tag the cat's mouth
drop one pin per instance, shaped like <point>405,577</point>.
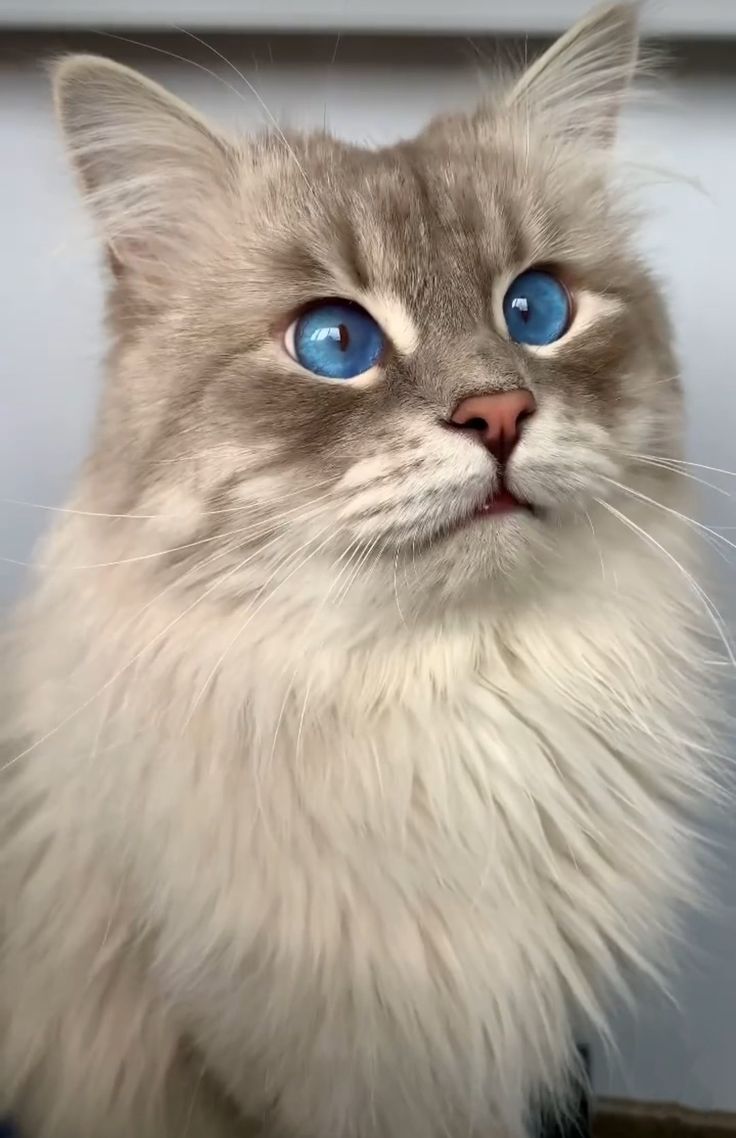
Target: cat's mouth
<point>502,501</point>
<point>499,504</point>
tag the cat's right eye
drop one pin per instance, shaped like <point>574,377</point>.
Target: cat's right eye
<point>336,339</point>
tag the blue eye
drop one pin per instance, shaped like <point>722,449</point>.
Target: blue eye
<point>536,308</point>
<point>337,339</point>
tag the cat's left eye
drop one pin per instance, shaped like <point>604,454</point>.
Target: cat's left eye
<point>537,308</point>
<point>336,339</point>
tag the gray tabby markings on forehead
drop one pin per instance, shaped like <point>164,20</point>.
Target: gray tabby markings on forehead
<point>141,154</point>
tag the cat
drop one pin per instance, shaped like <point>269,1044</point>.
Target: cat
<point>357,714</point>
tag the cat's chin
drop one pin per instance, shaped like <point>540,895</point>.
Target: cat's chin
<point>498,518</point>
<point>491,545</point>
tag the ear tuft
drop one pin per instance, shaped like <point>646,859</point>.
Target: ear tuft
<point>145,161</point>
<point>578,86</point>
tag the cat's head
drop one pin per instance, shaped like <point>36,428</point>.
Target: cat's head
<point>440,352</point>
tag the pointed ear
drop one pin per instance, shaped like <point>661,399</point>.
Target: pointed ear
<point>577,87</point>
<point>148,165</point>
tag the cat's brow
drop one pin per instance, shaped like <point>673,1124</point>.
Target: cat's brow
<point>395,319</point>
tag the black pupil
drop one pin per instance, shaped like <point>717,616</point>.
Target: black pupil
<point>344,337</point>
<point>523,307</point>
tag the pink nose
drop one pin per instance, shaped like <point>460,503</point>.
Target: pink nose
<point>496,419</point>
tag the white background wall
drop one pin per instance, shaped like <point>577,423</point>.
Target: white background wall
<point>51,347</point>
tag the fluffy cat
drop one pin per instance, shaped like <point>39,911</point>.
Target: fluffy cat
<point>354,719</point>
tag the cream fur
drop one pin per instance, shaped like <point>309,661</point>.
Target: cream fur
<point>381,899</point>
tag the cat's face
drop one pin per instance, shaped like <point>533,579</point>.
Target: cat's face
<point>440,434</point>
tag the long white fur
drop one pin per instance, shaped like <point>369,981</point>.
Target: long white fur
<point>403,883</point>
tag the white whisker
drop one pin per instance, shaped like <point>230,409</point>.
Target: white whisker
<point>597,545</point>
<point>312,621</point>
<point>669,464</point>
<point>347,556</point>
<point>173,515</point>
<point>131,662</point>
<point>300,729</point>
<point>710,607</point>
<point>682,462</point>
<point>261,103</point>
<point>253,611</point>
<point>174,55</point>
<point>670,510</point>
<point>356,548</point>
<point>376,560</point>
<point>396,590</point>
<point>192,1102</point>
<point>252,531</point>
<point>352,577</point>
<point>717,549</point>
<point>310,624</point>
